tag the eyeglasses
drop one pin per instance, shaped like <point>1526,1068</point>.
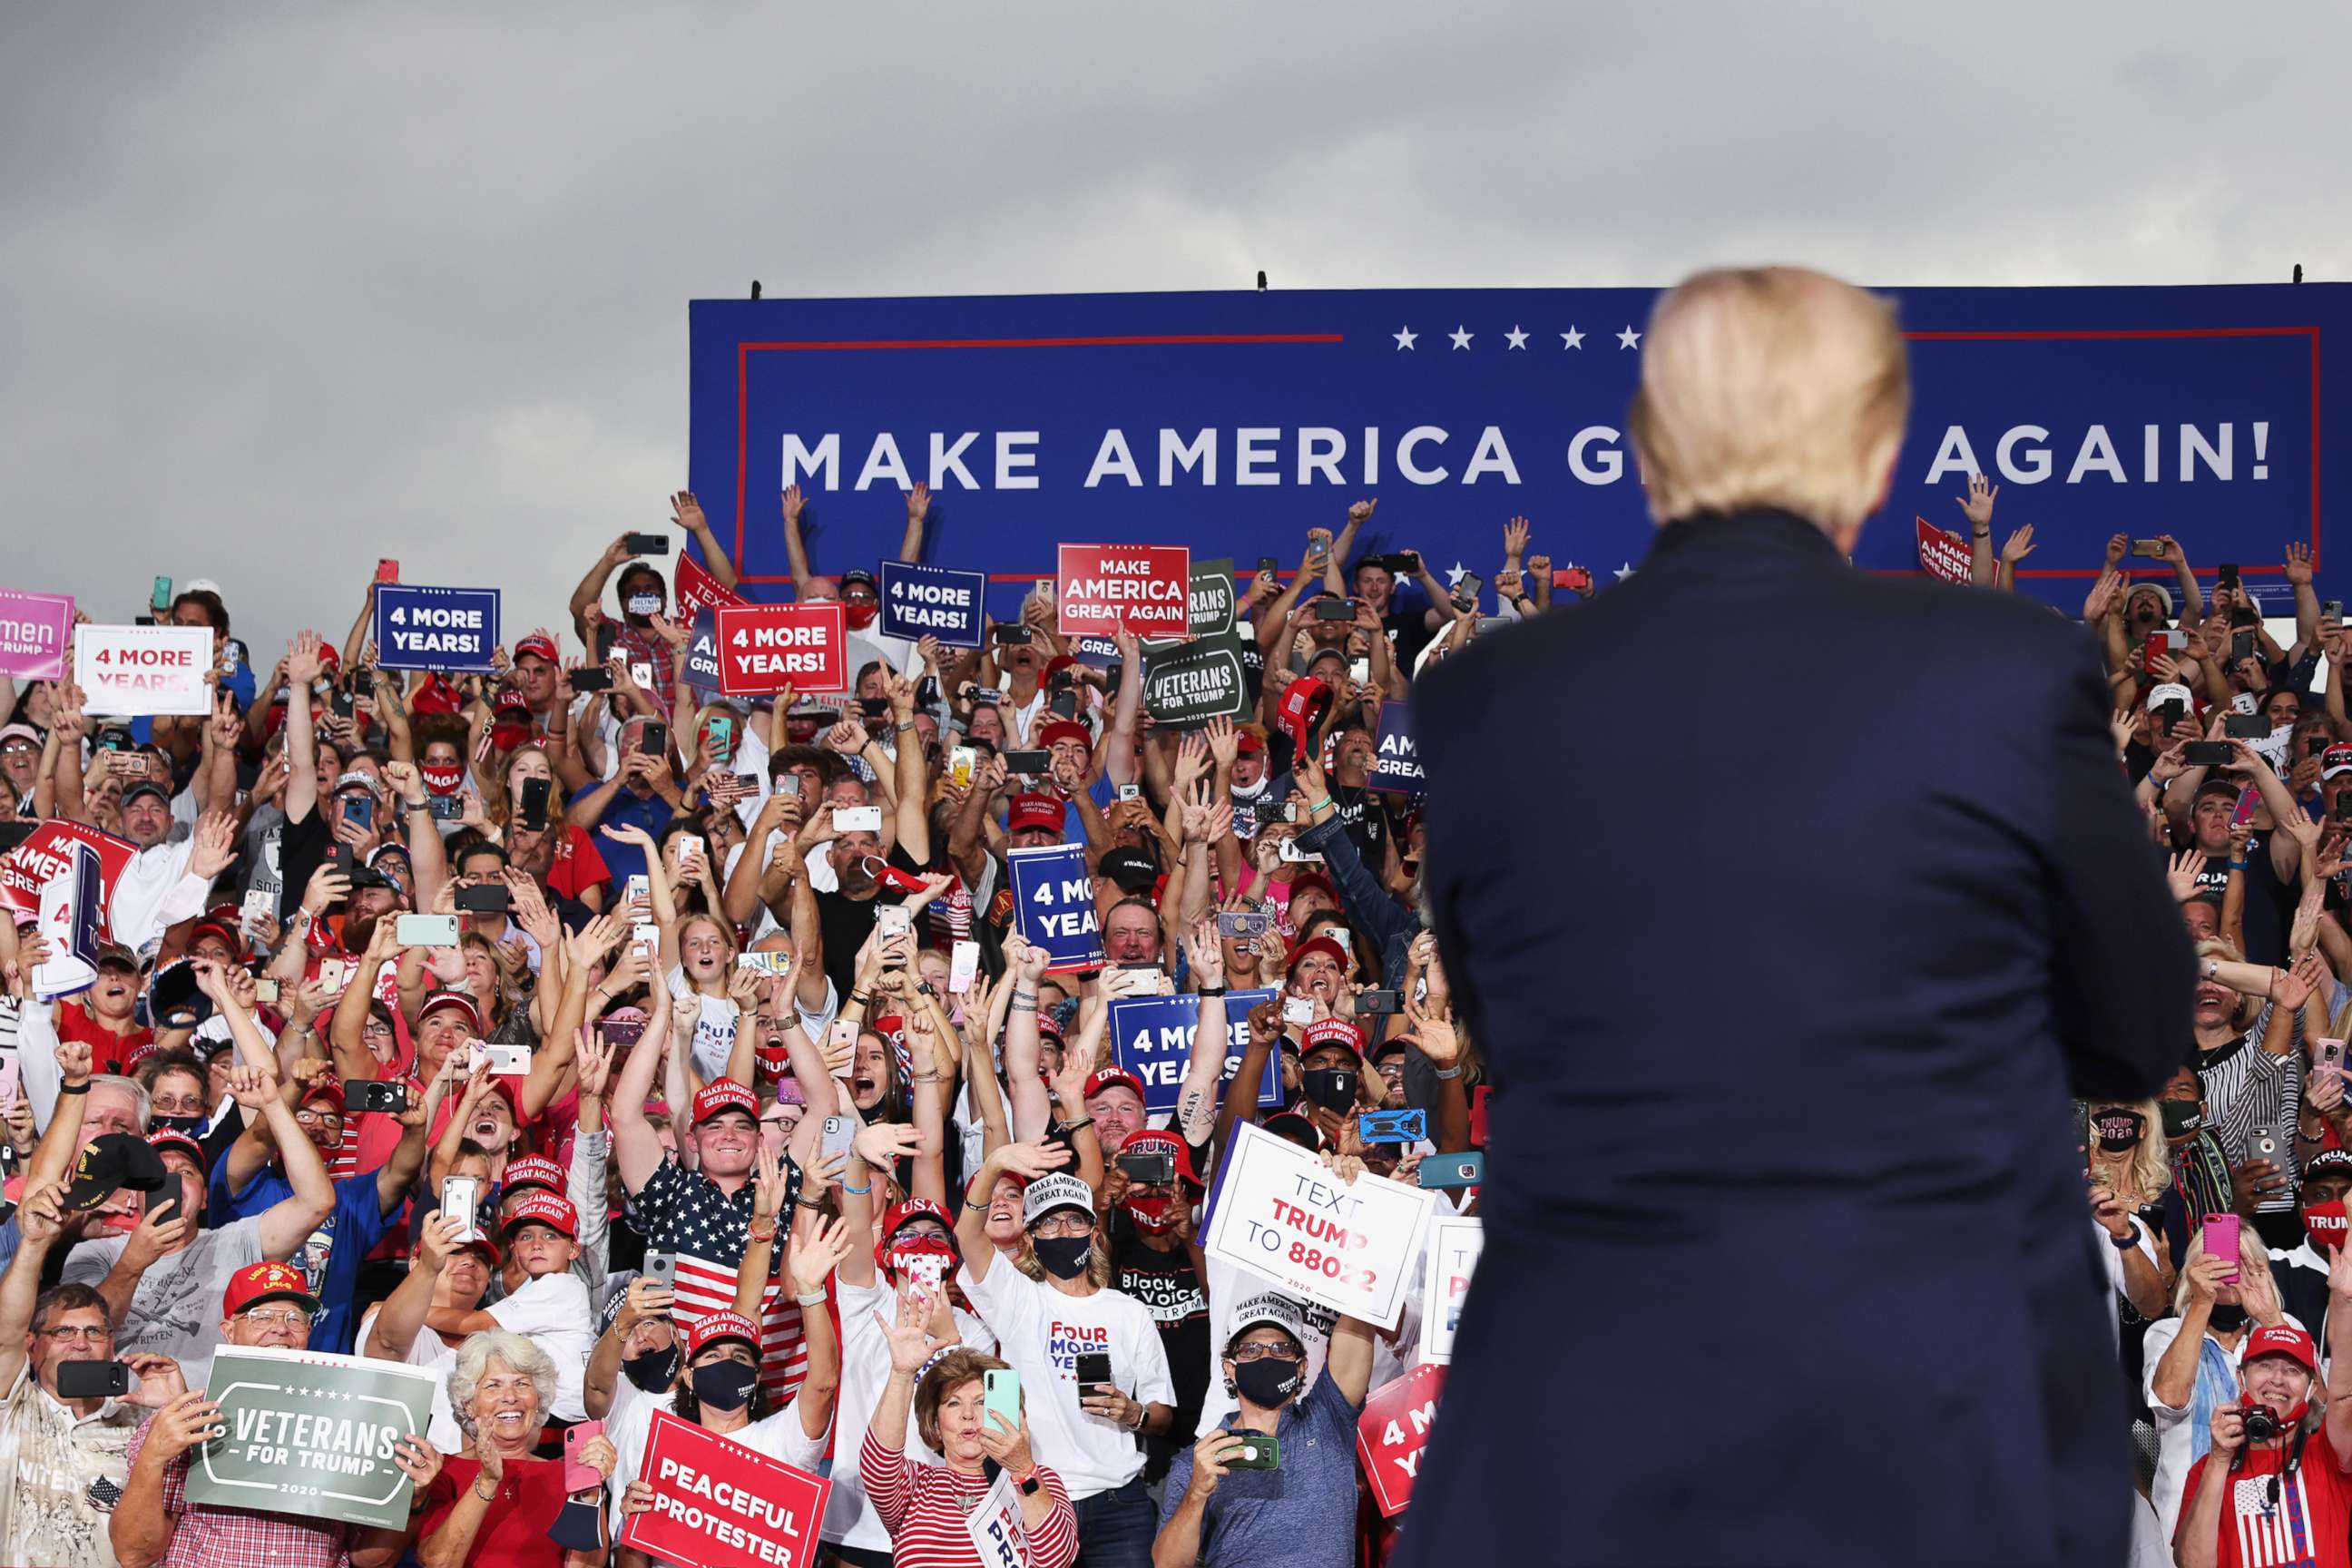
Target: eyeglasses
<point>1066,1224</point>
<point>276,1317</point>
<point>88,1336</point>
<point>1258,1349</point>
<point>310,1118</point>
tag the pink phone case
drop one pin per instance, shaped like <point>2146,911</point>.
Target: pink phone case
<point>577,1476</point>
<point>2221,1234</point>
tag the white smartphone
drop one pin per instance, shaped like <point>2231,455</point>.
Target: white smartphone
<point>643,674</point>
<point>645,934</point>
<point>858,819</point>
<point>426,930</point>
<point>1130,792</point>
<point>1297,1010</point>
<point>1360,671</point>
<point>509,1061</point>
<point>963,967</point>
<point>461,1198</point>
<point>839,1132</point>
<point>636,890</point>
<point>333,973</point>
<point>892,920</point>
<point>1290,851</point>
<point>766,963</point>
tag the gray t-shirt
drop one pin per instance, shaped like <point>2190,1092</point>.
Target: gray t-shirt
<point>176,1310</point>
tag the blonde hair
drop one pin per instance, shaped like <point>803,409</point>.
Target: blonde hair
<point>2148,1170</point>
<point>1769,386</point>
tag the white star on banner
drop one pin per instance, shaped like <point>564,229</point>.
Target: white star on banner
<point>1629,339</point>
<point>1453,576</point>
<point>1516,338</point>
<point>1624,572</point>
<point>1461,338</point>
<point>1404,338</point>
<point>1571,339</point>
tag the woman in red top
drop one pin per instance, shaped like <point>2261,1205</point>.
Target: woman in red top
<point>573,870</point>
<point>939,1515</point>
<point>492,1505</point>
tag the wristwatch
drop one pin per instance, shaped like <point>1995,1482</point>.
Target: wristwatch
<point>2127,1241</point>
<point>1029,1484</point>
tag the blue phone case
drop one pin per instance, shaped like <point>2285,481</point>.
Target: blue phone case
<point>1392,1126</point>
<point>1448,1170</point>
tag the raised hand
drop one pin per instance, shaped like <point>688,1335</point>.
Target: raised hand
<point>1977,507</point>
<point>2298,565</point>
<point>2018,546</point>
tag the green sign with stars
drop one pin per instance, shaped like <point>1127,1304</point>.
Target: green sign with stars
<point>309,1434</point>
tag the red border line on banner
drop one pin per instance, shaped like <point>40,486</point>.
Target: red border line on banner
<point>744,351</point>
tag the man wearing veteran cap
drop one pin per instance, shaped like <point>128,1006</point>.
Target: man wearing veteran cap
<point>1088,1433</point>
<point>162,1279</point>
<point>1301,1514</point>
<point>267,1305</point>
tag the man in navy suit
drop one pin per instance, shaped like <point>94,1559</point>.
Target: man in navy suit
<point>1824,893</point>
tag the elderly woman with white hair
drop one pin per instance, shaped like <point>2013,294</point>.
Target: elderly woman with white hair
<point>494,1505</point>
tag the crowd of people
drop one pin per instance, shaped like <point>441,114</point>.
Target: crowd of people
<point>695,1102</point>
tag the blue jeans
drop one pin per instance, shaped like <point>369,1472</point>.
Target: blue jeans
<point>1116,1528</point>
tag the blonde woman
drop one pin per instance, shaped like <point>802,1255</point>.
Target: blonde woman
<point>2129,1160</point>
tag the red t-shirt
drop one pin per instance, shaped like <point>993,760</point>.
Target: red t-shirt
<point>577,867</point>
<point>2305,1528</point>
<point>514,1532</point>
<point>108,1052</point>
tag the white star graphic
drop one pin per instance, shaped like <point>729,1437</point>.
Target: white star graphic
<point>1624,572</point>
<point>1629,339</point>
<point>1461,338</point>
<point>1454,575</point>
<point>1404,338</point>
<point>1571,339</point>
<point>1516,338</point>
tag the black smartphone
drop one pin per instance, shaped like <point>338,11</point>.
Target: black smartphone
<point>1066,706</point>
<point>2344,807</point>
<point>1268,564</point>
<point>1094,1368</point>
<point>2332,611</point>
<point>533,805</point>
<point>1036,764</point>
<point>343,860</point>
<point>1376,1002</point>
<point>1466,591</point>
<point>340,704</point>
<point>1156,1165</point>
<point>873,707</point>
<point>376,1094</point>
<point>656,742</point>
<point>592,679</point>
<point>607,634</point>
<point>163,1200</point>
<point>2208,754</point>
<point>93,1379</point>
<point>1329,609</point>
<point>2246,727</point>
<point>488,899</point>
<point>2242,648</point>
<point>2225,574</point>
<point>2315,745</point>
<point>647,543</point>
<point>1009,634</point>
<point>2167,714</point>
<point>445,808</point>
<point>926,692</point>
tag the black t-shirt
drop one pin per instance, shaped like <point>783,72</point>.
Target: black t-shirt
<point>1170,1288</point>
<point>1407,629</point>
<point>2269,902</point>
<point>302,849</point>
<point>845,923</point>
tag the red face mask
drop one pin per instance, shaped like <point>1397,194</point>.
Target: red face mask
<point>2325,1224</point>
<point>857,616</point>
<point>1154,1213</point>
<point>440,778</point>
<point>924,1258</point>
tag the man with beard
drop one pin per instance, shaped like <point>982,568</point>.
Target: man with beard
<point>1155,1258</point>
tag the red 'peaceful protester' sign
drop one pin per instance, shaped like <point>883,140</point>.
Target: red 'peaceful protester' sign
<point>1146,588</point>
<point>717,1504</point>
<point>48,853</point>
<point>1942,554</point>
<point>766,647</point>
<point>1393,1434</point>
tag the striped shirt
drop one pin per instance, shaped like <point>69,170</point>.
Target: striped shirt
<point>2246,1087</point>
<point>686,1214</point>
<point>928,1508</point>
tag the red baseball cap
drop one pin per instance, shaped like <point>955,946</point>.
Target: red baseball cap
<point>1332,1032</point>
<point>544,1208</point>
<point>910,1209</point>
<point>1043,811</point>
<point>1328,948</point>
<point>180,1143</point>
<point>326,1086</point>
<point>1064,730</point>
<point>258,1282</point>
<point>535,643</point>
<point>1153,1141</point>
<point>534,1170</point>
<point>2283,1339</point>
<point>713,1327</point>
<point>1112,1077</point>
<point>1248,741</point>
<point>723,1095</point>
<point>1304,703</point>
<point>452,1001</point>
<point>1302,880</point>
<point>437,695</point>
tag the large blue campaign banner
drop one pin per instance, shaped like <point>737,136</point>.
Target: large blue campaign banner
<point>435,628</point>
<point>1234,422</point>
<point>1053,905</point>
<point>1151,1036</point>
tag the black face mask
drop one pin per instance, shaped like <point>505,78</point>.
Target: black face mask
<point>1266,1383</point>
<point>2181,1117</point>
<point>2119,1130</point>
<point>652,1370</point>
<point>2229,1317</point>
<point>578,1526</point>
<point>1333,1089</point>
<point>725,1385</point>
<point>1063,1257</point>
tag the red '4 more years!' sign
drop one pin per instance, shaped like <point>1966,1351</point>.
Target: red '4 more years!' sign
<point>766,647</point>
<point>1146,589</point>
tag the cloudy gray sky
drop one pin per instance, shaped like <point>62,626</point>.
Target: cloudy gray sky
<point>290,287</point>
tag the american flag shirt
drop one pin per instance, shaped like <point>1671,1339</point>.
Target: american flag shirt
<point>2297,1520</point>
<point>686,1214</point>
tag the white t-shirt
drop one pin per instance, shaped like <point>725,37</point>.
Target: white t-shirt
<point>427,1351</point>
<point>779,1437</point>
<point>1042,1332</point>
<point>2176,1448</point>
<point>2113,1262</point>
<point>714,1024</point>
<point>49,1461</point>
<point>175,1308</point>
<point>552,1312</point>
<point>849,1516</point>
